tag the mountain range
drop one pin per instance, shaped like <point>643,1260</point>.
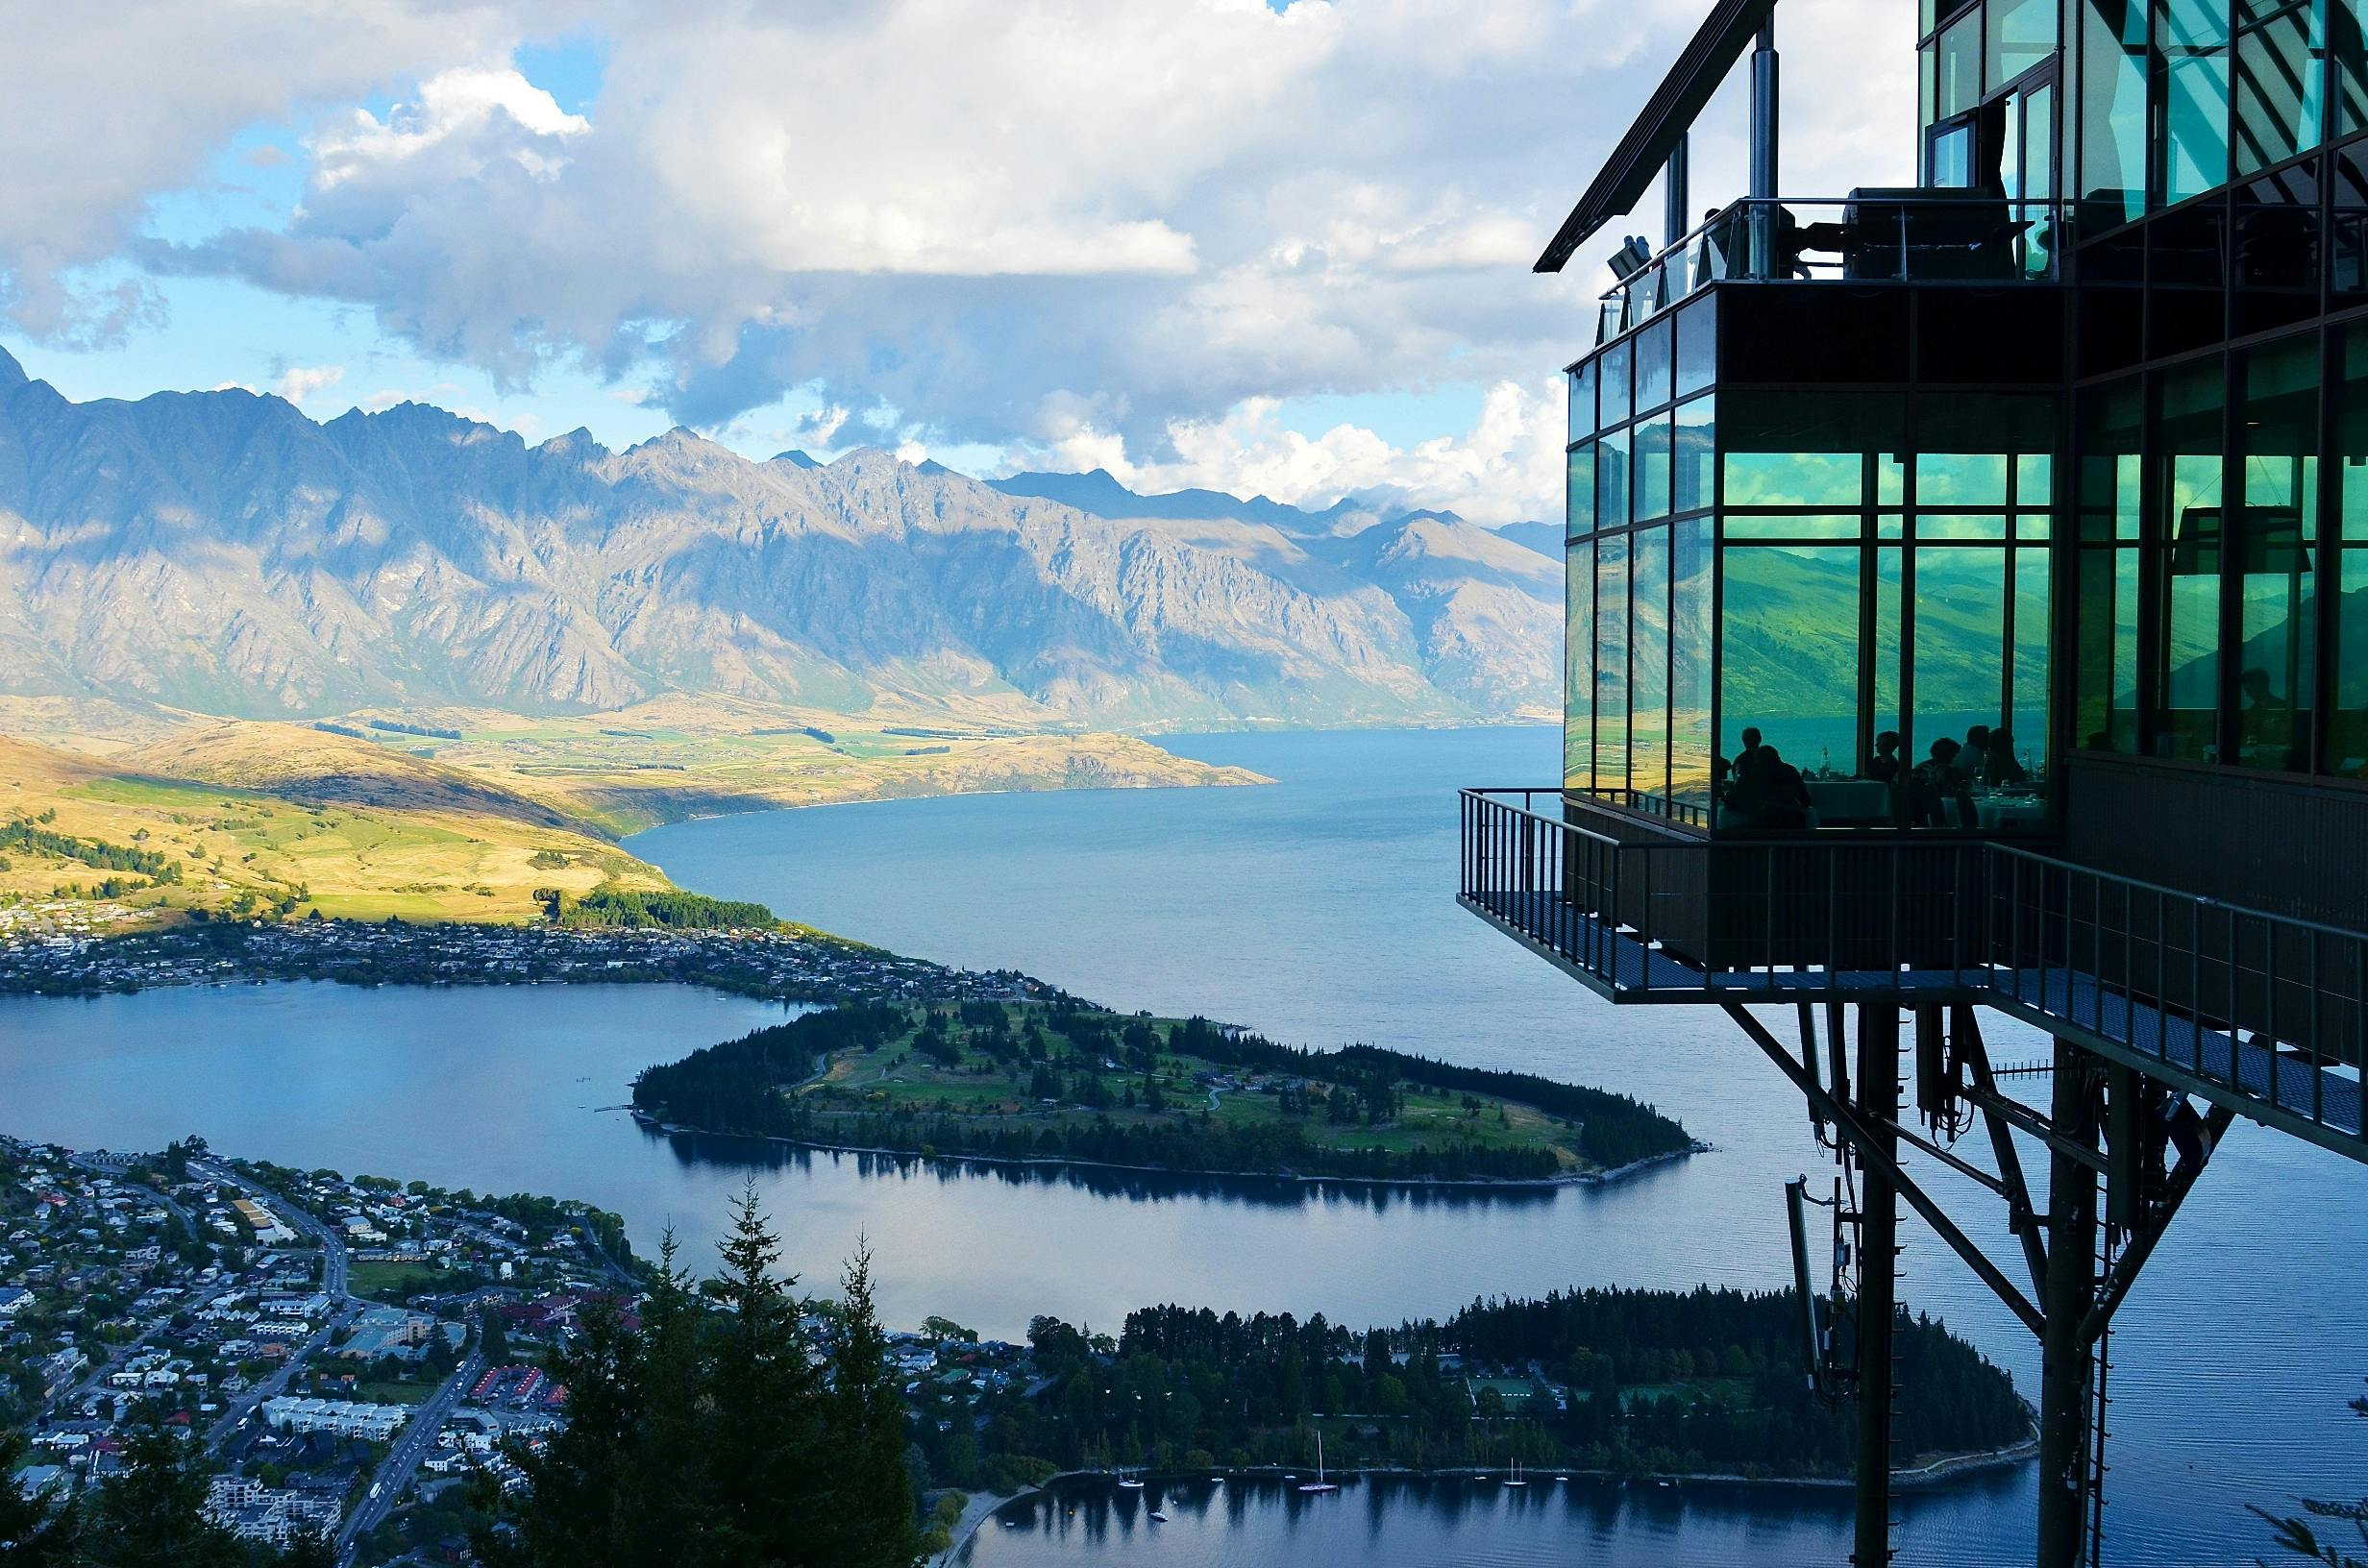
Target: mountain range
<point>220,551</point>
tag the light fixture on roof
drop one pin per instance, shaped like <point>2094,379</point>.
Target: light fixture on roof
<point>1630,258</point>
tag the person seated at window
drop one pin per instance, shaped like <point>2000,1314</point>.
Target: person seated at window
<point>1973,757</point>
<point>1774,793</point>
<point>2000,765</point>
<point>1936,783</point>
<point>1883,766</point>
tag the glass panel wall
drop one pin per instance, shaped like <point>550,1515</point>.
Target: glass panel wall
<point>2184,707</point>
<point>2347,728</point>
<point>2112,110</point>
<point>1579,666</point>
<point>1690,640</point>
<point>1648,655</point>
<point>2191,41</point>
<point>1612,662</point>
<point>2106,670</point>
<point>2274,559</point>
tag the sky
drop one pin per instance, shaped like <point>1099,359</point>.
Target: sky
<point>1264,247</point>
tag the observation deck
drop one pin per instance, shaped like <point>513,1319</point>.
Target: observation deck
<point>2255,1011</point>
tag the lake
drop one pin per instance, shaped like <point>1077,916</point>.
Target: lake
<point>1318,910</point>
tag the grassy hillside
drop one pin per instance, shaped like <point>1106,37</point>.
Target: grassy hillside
<point>110,812</point>
<point>273,817</point>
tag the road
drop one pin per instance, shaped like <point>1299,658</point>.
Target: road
<point>333,1246</point>
<point>248,1402</point>
<point>412,1445</point>
<point>343,1311</point>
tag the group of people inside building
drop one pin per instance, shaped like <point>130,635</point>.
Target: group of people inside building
<point>1759,789</point>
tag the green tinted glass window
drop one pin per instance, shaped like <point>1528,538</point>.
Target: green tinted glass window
<point>2192,42</point>
<point>1652,355</point>
<point>1956,478</point>
<point>1690,661</point>
<point>1958,86</point>
<point>1579,667</point>
<point>1697,344</point>
<point>1790,650</point>
<point>1583,402</point>
<point>1611,480</point>
<point>1613,386</point>
<point>2019,34</point>
<point>1651,457</point>
<point>1696,442</point>
<point>1612,662</point>
<point>2280,89</point>
<point>2112,108</point>
<point>1580,492</point>
<point>1649,662</point>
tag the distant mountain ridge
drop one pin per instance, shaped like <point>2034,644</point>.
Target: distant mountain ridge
<point>221,551</point>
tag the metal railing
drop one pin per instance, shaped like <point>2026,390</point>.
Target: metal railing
<point>1872,237</point>
<point>2258,1003</point>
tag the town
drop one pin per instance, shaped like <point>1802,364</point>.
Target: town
<point>790,965</point>
<point>348,1353</point>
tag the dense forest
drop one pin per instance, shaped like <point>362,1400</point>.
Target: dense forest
<point>728,1088</point>
<point>710,1427</point>
<point>611,908</point>
<point>1626,1381</point>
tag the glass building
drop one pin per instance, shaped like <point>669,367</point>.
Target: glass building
<point>1967,611</point>
<point>2026,460</point>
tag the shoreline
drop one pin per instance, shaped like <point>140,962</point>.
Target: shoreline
<point>1603,1177</point>
<point>1945,1468</point>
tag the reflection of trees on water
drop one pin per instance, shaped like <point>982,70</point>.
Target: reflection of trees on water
<point>1405,1519</point>
<point>757,1154</point>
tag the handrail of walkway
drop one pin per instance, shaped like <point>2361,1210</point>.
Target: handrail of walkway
<point>2265,1004</point>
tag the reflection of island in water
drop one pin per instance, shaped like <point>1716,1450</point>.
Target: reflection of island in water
<point>1393,1521</point>
<point>693,1148</point>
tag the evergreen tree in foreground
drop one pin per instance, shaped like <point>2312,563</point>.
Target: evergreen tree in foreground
<point>714,1431</point>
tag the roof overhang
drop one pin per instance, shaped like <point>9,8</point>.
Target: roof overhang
<point>1667,115</point>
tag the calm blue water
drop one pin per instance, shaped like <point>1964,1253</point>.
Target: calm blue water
<point>1319,910</point>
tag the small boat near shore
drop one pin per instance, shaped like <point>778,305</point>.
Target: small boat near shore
<point>1318,1484</point>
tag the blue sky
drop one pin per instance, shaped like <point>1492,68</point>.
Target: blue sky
<point>1267,246</point>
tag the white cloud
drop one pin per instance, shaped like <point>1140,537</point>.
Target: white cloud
<point>1506,468</point>
<point>111,105</point>
<point>1098,225</point>
<point>298,382</point>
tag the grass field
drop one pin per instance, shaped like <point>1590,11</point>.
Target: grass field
<point>392,1391</point>
<point>897,1076</point>
<point>392,1282</point>
<point>467,823</point>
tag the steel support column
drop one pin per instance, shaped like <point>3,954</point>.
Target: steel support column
<point>1878,1098</point>
<point>2065,1355</point>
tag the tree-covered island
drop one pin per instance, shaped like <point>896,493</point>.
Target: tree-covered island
<point>1065,1081</point>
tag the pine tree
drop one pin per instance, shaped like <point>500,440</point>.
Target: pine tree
<point>32,1533</point>
<point>152,1515</point>
<point>769,1453</point>
<point>577,1506</point>
<point>874,1501</point>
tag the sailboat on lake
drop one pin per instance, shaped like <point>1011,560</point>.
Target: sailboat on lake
<point>1318,1484</point>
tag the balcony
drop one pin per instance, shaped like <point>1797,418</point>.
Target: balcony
<point>1867,237</point>
<point>2256,1011</point>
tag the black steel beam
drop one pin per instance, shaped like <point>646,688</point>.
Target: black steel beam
<point>2022,1217</point>
<point>1876,1158</point>
<point>2065,1359</point>
<point>1661,125</point>
<point>2142,1238</point>
<point>1878,1102</point>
